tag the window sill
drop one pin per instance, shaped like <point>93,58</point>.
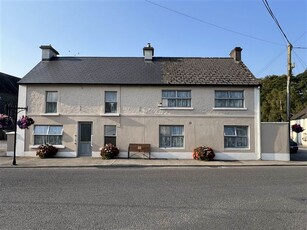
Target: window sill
<point>176,108</point>
<point>57,146</point>
<point>171,148</point>
<point>50,114</point>
<point>237,149</point>
<point>231,109</point>
<point>110,114</point>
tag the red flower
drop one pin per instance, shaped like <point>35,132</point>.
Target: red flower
<point>297,128</point>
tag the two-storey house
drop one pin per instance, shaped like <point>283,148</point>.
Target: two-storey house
<point>172,103</point>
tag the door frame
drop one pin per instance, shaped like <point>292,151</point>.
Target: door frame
<point>79,138</point>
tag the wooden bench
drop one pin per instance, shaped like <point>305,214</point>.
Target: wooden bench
<point>139,148</point>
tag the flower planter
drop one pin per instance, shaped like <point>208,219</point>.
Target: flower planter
<point>203,153</point>
<point>46,151</point>
<point>109,151</point>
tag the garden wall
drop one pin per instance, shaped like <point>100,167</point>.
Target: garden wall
<point>275,141</point>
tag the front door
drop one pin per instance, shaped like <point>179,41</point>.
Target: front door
<point>85,139</point>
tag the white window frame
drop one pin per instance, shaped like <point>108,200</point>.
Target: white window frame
<point>47,134</point>
<point>165,100</point>
<point>228,99</point>
<point>171,136</point>
<point>105,102</point>
<point>105,135</point>
<point>46,102</point>
<point>236,136</point>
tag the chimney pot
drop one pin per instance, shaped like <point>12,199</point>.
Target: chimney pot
<point>48,52</point>
<point>236,54</point>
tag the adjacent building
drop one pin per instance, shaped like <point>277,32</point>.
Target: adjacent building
<point>8,96</point>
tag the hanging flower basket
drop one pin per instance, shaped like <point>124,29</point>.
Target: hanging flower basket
<point>109,151</point>
<point>297,128</point>
<point>5,121</point>
<point>24,122</point>
<point>203,153</point>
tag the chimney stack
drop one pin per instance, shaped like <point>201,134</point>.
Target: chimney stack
<point>48,52</point>
<point>236,54</point>
<point>148,53</point>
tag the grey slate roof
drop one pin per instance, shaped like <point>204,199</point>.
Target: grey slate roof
<point>300,115</point>
<point>135,71</point>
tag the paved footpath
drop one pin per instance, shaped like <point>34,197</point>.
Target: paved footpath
<point>36,162</point>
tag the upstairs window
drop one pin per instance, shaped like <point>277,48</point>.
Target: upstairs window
<point>171,136</point>
<point>229,99</point>
<point>176,98</point>
<point>110,102</point>
<point>235,136</point>
<point>48,134</point>
<point>51,101</point>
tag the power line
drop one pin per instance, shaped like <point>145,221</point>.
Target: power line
<point>300,60</point>
<point>267,6</point>
<point>271,62</point>
<point>211,24</point>
<point>298,47</point>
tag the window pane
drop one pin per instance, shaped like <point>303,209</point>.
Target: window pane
<point>184,103</point>
<point>108,140</point>
<point>111,97</point>
<point>165,130</point>
<point>229,131</point>
<point>221,94</point>
<point>40,129</point>
<point>55,130</point>
<point>168,93</point>
<point>54,140</point>
<point>229,142</point>
<point>236,94</point>
<point>51,107</point>
<point>110,107</point>
<point>242,131</point>
<point>177,130</point>
<point>220,103</point>
<point>165,141</point>
<point>177,141</point>
<point>39,140</point>
<point>110,130</point>
<point>171,103</point>
<point>52,97</point>
<point>86,132</point>
<point>184,94</point>
<point>241,142</point>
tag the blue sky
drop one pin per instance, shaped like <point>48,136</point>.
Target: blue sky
<point>175,28</point>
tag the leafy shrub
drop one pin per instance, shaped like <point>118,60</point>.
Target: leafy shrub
<point>46,151</point>
<point>109,151</point>
<point>203,153</point>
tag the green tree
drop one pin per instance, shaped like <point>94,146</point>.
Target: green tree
<point>273,96</point>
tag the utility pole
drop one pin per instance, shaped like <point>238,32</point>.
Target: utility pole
<point>289,75</point>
